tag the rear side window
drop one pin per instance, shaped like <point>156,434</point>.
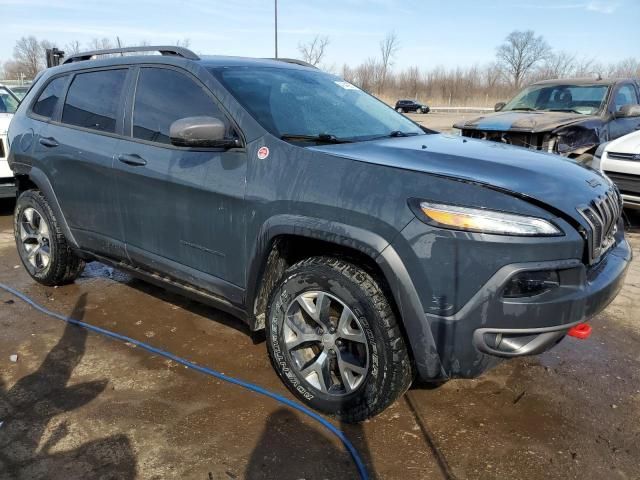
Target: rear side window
<point>164,96</point>
<point>45,106</point>
<point>93,99</point>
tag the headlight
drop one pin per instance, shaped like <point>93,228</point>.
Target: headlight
<point>487,221</point>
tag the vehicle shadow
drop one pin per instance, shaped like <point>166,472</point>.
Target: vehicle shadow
<point>290,449</point>
<point>27,450</point>
<point>194,306</point>
<point>633,219</point>
<point>6,206</point>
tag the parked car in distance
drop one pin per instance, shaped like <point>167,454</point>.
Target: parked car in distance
<point>405,106</point>
<point>310,209</point>
<point>620,161</point>
<point>20,91</point>
<point>567,117</point>
<point>8,105</point>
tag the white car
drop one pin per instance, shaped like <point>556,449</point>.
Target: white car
<point>620,161</point>
<point>8,105</point>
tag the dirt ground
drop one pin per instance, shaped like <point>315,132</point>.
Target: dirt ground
<point>78,405</point>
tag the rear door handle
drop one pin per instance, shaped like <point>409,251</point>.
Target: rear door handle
<point>132,159</point>
<point>48,142</point>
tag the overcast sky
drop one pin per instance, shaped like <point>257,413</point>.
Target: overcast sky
<point>451,33</point>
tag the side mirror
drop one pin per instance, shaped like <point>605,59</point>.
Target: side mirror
<point>200,132</point>
<point>630,110</point>
<point>499,106</point>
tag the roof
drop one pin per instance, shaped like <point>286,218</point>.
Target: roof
<point>584,81</point>
<point>181,54</point>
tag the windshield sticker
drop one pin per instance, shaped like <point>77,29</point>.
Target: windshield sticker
<point>346,85</point>
<point>263,152</point>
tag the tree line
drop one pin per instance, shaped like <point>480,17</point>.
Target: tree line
<point>521,59</point>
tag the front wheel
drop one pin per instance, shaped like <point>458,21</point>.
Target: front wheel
<point>400,110</point>
<point>334,341</point>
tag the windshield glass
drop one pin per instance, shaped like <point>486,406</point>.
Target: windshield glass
<point>8,102</point>
<point>304,103</point>
<point>584,99</point>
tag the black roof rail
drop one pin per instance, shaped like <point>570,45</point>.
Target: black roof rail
<point>295,61</point>
<point>164,50</point>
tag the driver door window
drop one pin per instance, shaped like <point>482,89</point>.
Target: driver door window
<point>626,95</point>
<point>164,96</point>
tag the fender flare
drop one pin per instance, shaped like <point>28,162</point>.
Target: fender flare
<point>39,178</point>
<point>381,251</point>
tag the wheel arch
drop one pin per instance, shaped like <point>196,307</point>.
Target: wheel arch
<point>36,179</point>
<point>287,239</point>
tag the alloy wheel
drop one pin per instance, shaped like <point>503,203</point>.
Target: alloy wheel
<point>35,238</point>
<point>326,342</point>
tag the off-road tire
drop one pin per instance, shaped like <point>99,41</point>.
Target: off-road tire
<point>64,265</point>
<point>390,372</point>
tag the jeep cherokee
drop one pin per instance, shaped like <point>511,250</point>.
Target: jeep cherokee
<point>370,249</point>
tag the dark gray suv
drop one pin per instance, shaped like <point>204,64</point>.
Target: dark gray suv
<point>370,249</point>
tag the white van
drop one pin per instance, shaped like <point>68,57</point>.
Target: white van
<point>620,161</point>
<point>8,105</point>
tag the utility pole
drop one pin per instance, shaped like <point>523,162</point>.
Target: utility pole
<point>276,25</point>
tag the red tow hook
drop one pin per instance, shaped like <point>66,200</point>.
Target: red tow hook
<point>582,331</point>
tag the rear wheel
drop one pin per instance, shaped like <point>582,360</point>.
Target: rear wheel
<point>334,341</point>
<point>43,250</point>
<point>400,110</point>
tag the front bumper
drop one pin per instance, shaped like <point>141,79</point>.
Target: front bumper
<point>490,327</point>
<point>7,187</point>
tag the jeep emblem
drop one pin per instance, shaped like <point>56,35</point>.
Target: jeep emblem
<point>594,182</point>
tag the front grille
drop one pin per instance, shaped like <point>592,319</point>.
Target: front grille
<point>632,157</point>
<point>629,184</point>
<point>520,139</point>
<point>602,216</point>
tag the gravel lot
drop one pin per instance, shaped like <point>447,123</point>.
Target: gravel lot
<point>76,405</point>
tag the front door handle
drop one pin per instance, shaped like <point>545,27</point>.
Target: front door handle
<point>48,142</point>
<point>132,159</point>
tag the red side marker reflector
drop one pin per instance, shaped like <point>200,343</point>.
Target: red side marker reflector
<point>581,331</point>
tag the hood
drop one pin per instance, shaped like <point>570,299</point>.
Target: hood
<point>550,179</point>
<point>5,119</point>
<point>628,144</point>
<point>532,122</point>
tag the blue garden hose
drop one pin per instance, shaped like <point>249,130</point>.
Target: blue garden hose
<point>207,371</point>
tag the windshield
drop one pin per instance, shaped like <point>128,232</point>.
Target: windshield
<point>584,99</point>
<point>289,102</point>
<point>8,102</point>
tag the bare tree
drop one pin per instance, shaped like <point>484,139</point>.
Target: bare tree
<point>557,65</point>
<point>388,49</point>
<point>314,50</point>
<point>520,53</point>
<point>29,56</point>
<point>72,48</point>
<point>101,44</point>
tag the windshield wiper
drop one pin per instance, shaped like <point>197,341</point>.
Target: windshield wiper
<point>524,109</point>
<point>320,138</point>
<point>399,133</point>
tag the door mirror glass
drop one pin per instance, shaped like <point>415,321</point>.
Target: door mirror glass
<point>499,106</point>
<point>631,110</point>
<point>199,132</point>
